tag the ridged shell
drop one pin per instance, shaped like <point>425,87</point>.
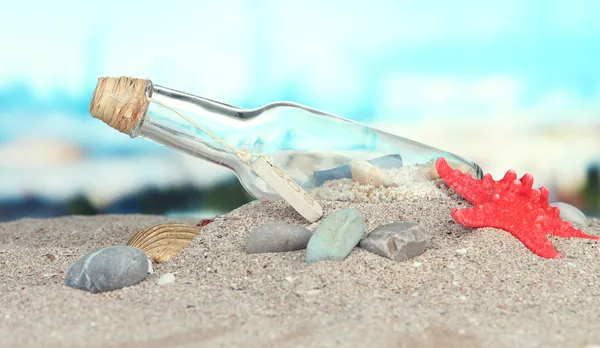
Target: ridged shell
<point>161,242</point>
<point>365,173</point>
<point>428,172</point>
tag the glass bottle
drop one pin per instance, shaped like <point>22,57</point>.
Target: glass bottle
<point>311,146</point>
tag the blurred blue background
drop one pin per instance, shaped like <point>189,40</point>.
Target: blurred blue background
<point>510,84</point>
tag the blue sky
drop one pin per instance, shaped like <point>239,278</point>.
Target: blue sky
<point>397,60</point>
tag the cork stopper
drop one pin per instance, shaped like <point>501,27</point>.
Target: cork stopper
<point>119,102</point>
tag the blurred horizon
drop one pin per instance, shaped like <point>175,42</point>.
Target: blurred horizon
<point>512,85</point>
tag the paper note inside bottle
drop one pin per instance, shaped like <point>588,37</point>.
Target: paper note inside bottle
<point>287,188</point>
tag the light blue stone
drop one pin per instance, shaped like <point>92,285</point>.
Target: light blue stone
<point>337,235</point>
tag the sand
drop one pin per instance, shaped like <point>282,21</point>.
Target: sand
<point>471,288</point>
<point>409,181</point>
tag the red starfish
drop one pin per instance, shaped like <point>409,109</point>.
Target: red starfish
<point>511,205</point>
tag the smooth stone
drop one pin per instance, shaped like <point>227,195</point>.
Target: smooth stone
<point>343,172</point>
<point>108,269</point>
<point>570,213</point>
<point>398,241</point>
<point>274,237</point>
<point>336,236</point>
<point>166,278</point>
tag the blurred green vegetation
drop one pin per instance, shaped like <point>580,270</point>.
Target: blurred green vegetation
<point>223,198</point>
<point>192,200</point>
<point>591,190</point>
<point>187,199</point>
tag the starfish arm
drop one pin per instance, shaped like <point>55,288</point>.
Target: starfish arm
<point>536,242</point>
<point>580,234</point>
<point>566,230</point>
<point>465,184</point>
<point>470,217</point>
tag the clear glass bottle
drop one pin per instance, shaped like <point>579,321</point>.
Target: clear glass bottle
<point>311,146</point>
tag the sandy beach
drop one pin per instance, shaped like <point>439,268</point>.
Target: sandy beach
<point>471,288</point>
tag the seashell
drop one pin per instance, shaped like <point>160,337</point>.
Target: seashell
<point>161,242</point>
<point>365,173</point>
<point>428,171</point>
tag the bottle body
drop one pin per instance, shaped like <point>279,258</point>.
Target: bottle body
<point>311,146</point>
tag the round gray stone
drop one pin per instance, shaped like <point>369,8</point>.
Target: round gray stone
<point>570,213</point>
<point>336,236</point>
<point>273,237</point>
<point>107,269</point>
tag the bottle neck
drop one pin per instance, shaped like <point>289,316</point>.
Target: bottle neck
<point>167,117</point>
<point>163,125</point>
<point>200,108</point>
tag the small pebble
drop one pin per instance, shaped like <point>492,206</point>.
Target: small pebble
<point>166,278</point>
<point>313,292</point>
<point>570,213</point>
<point>150,268</point>
<point>273,237</point>
<point>337,235</point>
<point>398,241</point>
<point>108,269</point>
<point>462,251</point>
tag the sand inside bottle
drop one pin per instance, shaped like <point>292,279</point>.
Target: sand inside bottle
<point>337,176</point>
<point>410,185</point>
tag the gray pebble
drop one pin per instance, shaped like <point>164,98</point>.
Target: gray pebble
<point>570,213</point>
<point>107,269</point>
<point>336,236</point>
<point>273,237</point>
<point>397,241</point>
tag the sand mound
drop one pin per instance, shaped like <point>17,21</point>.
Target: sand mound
<point>493,292</point>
